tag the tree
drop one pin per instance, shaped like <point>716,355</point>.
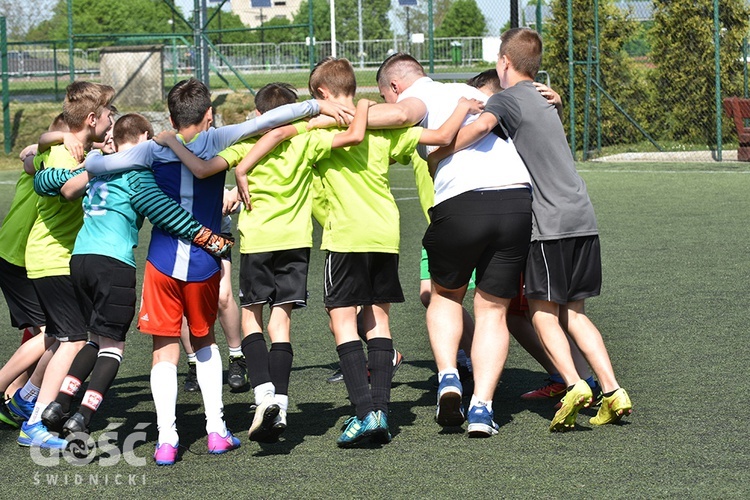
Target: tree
<point>375,21</point>
<point>22,15</point>
<point>418,16</point>
<point>97,17</point>
<point>683,52</point>
<point>229,20</point>
<point>464,18</point>
<point>618,74</point>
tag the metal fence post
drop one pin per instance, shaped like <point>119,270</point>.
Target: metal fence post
<point>571,83</point>
<point>430,34</point>
<point>71,59</point>
<point>717,63</point>
<point>6,97</point>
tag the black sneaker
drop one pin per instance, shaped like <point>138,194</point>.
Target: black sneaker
<point>337,376</point>
<point>74,425</point>
<point>7,417</point>
<point>54,417</point>
<point>191,380</point>
<point>237,372</point>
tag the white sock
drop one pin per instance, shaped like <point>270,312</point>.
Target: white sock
<point>263,390</point>
<point>208,370</point>
<point>36,414</point>
<point>475,401</point>
<point>29,392</point>
<point>164,391</point>
<point>283,401</point>
<point>448,371</point>
<point>235,352</point>
<point>191,358</point>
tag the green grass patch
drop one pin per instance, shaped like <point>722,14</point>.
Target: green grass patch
<point>672,313</point>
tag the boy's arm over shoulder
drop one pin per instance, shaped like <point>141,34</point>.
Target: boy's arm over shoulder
<point>135,158</point>
<point>506,111</point>
<point>405,113</point>
<point>355,134</point>
<point>165,213</point>
<point>199,167</point>
<point>50,181</point>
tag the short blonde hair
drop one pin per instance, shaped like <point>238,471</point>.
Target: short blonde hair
<point>82,98</point>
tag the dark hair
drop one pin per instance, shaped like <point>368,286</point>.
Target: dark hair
<point>487,78</point>
<point>128,128</point>
<point>274,95</point>
<point>523,47</point>
<point>188,102</point>
<point>337,75</point>
<point>400,64</point>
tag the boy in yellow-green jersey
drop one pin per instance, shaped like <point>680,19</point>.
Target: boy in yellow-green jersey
<point>361,235</point>
<point>275,242</point>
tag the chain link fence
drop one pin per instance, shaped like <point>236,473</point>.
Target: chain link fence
<point>639,79</point>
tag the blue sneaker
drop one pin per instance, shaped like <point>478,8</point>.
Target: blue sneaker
<point>449,410</point>
<point>480,422</point>
<point>357,430</point>
<point>381,434</point>
<point>38,435</point>
<point>20,408</point>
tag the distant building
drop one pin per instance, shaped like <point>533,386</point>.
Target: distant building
<point>254,16</point>
<point>636,11</point>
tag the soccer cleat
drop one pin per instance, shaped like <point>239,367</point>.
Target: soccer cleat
<point>337,376</point>
<point>263,420</point>
<point>165,454</point>
<point>237,372</point>
<point>278,427</point>
<point>191,380</point>
<point>574,400</point>
<point>218,444</point>
<point>6,417</point>
<point>596,398</point>
<point>20,408</point>
<point>481,423</point>
<point>613,408</point>
<point>550,390</point>
<point>37,435</point>
<point>449,410</point>
<point>75,425</point>
<point>54,417</point>
<point>381,434</point>
<point>356,430</point>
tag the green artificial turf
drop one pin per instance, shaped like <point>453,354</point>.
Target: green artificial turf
<point>673,314</point>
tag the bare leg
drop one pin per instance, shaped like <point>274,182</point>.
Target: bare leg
<point>545,318</point>
<point>445,324</point>
<point>229,312</point>
<point>490,346</point>
<point>25,356</point>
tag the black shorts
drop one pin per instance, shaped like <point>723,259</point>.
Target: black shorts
<point>57,296</point>
<point>105,289</point>
<point>361,279</point>
<point>23,304</point>
<point>564,270</point>
<point>226,231</point>
<point>486,230</point>
<point>275,278</point>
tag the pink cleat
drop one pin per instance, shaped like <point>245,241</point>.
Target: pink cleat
<point>165,454</point>
<point>218,444</point>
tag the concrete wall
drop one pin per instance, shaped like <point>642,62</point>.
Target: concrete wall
<point>135,72</point>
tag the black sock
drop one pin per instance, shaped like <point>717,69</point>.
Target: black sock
<point>80,369</point>
<point>354,367</point>
<point>609,394</point>
<point>280,365</point>
<point>256,356</point>
<point>105,371</point>
<point>380,362</point>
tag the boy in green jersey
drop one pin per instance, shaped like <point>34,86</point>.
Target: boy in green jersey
<point>361,234</point>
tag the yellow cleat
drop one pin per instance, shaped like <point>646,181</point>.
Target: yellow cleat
<point>575,399</point>
<point>613,408</point>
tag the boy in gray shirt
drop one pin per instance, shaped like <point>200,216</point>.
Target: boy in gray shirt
<point>564,263</point>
